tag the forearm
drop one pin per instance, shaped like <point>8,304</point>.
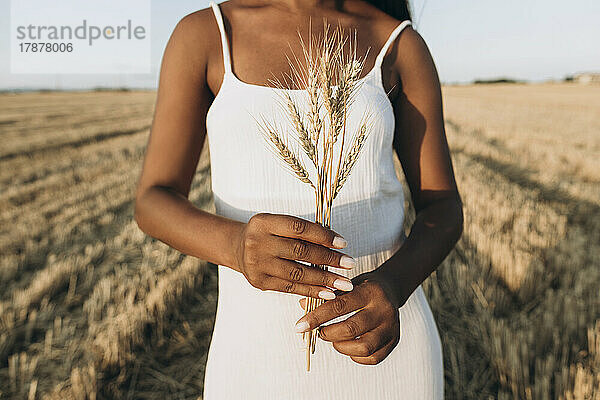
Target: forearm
<point>433,235</point>
<point>171,218</point>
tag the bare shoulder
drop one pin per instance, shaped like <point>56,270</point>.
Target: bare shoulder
<point>195,35</point>
<point>409,44</point>
<point>411,47</point>
<point>408,55</point>
<point>198,22</point>
<point>414,66</point>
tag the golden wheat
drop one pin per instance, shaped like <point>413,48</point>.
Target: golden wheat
<point>332,66</point>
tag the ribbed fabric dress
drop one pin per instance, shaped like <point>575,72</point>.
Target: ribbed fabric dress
<point>255,352</point>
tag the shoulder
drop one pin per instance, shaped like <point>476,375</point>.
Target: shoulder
<point>194,37</point>
<point>197,27</point>
<point>413,64</point>
<point>410,45</point>
<point>407,44</point>
<point>408,55</point>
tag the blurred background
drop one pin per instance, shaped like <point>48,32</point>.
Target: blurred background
<point>90,307</point>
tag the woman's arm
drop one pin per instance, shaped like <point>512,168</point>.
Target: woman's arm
<point>162,208</point>
<point>267,248</point>
<point>422,148</point>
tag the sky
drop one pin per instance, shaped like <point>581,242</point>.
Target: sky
<point>533,40</point>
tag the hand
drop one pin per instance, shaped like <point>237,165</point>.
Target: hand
<point>376,323</point>
<point>269,244</point>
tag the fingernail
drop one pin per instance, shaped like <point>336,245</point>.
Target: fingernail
<point>327,295</point>
<point>339,242</point>
<point>343,284</point>
<point>348,262</point>
<point>301,326</point>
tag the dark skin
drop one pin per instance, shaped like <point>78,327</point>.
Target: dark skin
<point>266,248</point>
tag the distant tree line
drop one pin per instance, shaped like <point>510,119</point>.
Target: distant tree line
<point>498,80</point>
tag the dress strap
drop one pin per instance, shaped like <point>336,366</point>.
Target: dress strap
<point>395,32</point>
<point>224,44</point>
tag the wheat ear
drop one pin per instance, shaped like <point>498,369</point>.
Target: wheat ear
<point>352,155</point>
<point>283,152</point>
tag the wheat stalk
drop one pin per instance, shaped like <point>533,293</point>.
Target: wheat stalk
<point>329,79</point>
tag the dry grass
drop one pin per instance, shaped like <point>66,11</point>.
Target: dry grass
<point>517,301</point>
<point>92,308</point>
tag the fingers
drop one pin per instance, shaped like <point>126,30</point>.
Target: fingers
<point>370,348</point>
<point>378,355</point>
<point>356,325</point>
<point>282,285</point>
<point>367,344</point>
<point>329,310</point>
<point>294,272</point>
<point>299,228</point>
<point>295,249</point>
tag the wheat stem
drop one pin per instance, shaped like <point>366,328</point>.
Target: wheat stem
<point>316,138</point>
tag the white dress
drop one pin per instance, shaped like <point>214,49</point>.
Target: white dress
<point>255,352</point>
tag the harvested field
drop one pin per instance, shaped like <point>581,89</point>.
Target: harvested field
<point>90,307</point>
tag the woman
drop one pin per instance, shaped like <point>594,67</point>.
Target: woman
<point>213,78</point>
